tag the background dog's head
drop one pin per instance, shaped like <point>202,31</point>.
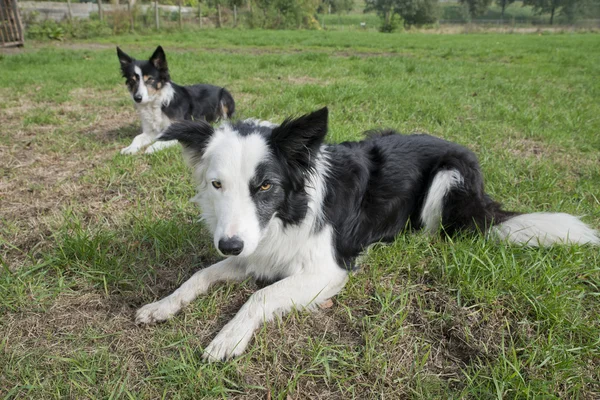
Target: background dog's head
<point>250,173</point>
<point>145,79</point>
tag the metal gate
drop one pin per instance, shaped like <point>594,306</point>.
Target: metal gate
<point>11,28</point>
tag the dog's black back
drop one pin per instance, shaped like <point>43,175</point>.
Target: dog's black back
<point>377,187</point>
<point>197,102</point>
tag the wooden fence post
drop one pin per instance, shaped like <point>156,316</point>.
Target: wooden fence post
<point>200,14</point>
<point>218,15</point>
<point>70,11</point>
<point>180,21</point>
<point>234,15</point>
<point>130,11</point>
<point>100,10</point>
<point>156,19</point>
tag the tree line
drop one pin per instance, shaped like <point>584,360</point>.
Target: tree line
<point>302,14</point>
<point>393,13</point>
<point>422,12</point>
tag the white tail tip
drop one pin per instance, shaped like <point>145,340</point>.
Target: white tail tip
<point>545,229</point>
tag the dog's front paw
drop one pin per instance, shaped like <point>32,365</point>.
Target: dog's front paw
<point>155,312</point>
<point>130,150</point>
<point>229,343</point>
<point>152,149</point>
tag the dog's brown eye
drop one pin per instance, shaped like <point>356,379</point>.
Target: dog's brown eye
<point>149,80</point>
<point>265,186</point>
<point>216,184</point>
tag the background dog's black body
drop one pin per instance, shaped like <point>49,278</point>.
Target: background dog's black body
<point>194,102</point>
<point>200,101</point>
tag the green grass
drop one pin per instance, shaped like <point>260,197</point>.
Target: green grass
<point>87,235</point>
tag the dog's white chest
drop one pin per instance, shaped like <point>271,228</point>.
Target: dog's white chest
<point>154,120</point>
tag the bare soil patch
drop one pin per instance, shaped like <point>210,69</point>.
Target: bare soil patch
<point>44,169</point>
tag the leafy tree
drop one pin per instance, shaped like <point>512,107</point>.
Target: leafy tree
<point>412,12</point>
<point>476,7</point>
<point>337,6</point>
<point>552,6</point>
<point>286,13</point>
<point>426,12</point>
<point>503,4</point>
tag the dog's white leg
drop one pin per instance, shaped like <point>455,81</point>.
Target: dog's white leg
<point>141,140</point>
<point>302,290</point>
<point>157,146</point>
<point>229,269</point>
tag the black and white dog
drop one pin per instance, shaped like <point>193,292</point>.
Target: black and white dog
<point>161,101</point>
<point>283,206</point>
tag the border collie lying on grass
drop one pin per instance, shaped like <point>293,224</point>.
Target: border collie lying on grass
<point>160,101</point>
<point>284,207</point>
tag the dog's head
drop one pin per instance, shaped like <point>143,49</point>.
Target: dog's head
<point>250,173</point>
<point>145,79</point>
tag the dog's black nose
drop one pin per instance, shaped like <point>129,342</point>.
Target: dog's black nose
<point>231,246</point>
<point>137,98</point>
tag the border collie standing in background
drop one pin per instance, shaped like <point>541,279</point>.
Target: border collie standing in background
<point>284,207</point>
<point>161,101</point>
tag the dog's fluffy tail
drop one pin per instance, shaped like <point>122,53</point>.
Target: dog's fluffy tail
<point>456,201</point>
<point>226,106</point>
<point>545,229</point>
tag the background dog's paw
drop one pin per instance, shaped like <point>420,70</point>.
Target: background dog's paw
<point>155,312</point>
<point>130,150</point>
<point>226,345</point>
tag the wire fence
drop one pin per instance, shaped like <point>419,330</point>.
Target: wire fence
<point>121,18</point>
<point>139,15</point>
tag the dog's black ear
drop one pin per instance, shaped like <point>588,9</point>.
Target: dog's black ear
<point>124,59</point>
<point>299,139</point>
<point>193,135</point>
<point>159,60</point>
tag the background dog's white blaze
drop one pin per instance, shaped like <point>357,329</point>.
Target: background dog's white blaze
<point>142,90</point>
<point>232,160</point>
<point>442,183</point>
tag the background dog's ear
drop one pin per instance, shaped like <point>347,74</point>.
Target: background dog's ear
<point>159,60</point>
<point>299,139</point>
<point>193,135</point>
<point>124,59</point>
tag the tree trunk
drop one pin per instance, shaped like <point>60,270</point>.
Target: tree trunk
<point>100,13</point>
<point>234,15</point>
<point>503,8</point>
<point>552,15</point>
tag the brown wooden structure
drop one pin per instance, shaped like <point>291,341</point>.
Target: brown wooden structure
<point>11,28</point>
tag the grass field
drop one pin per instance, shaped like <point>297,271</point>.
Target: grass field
<point>87,235</point>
